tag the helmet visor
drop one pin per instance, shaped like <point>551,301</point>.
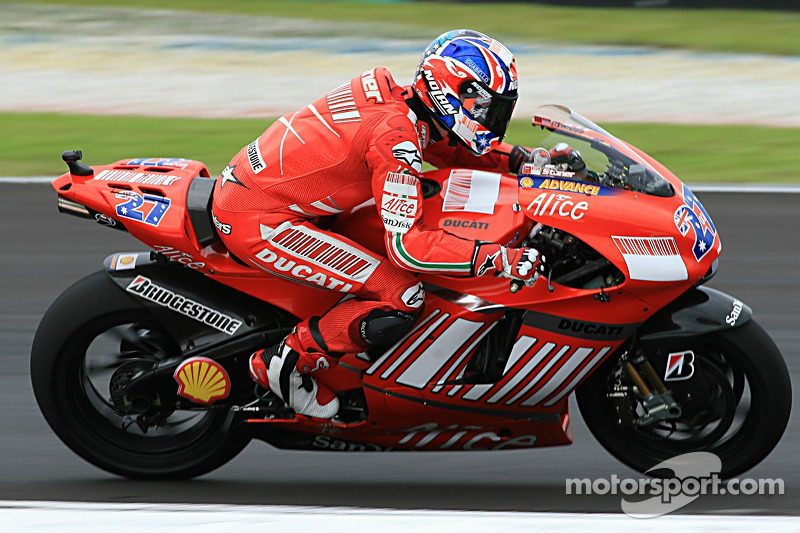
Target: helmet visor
<point>490,109</point>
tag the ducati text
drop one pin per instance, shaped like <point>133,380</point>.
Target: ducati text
<point>302,272</point>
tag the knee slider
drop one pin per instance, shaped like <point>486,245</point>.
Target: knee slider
<point>382,328</point>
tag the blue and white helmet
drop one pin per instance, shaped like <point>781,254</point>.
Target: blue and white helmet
<point>468,82</point>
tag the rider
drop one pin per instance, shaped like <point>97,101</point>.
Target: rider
<point>363,142</point>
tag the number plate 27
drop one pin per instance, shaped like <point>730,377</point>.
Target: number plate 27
<point>147,208</point>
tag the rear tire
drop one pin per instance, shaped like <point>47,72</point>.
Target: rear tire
<point>88,333</point>
<point>742,416</point>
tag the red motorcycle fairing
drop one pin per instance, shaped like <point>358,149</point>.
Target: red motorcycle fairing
<point>418,379</point>
<point>143,371</point>
<point>424,392</point>
<point>148,198</point>
<point>411,379</point>
<point>473,204</point>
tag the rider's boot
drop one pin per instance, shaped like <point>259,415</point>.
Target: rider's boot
<point>286,368</point>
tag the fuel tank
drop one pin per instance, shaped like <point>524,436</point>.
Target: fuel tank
<point>472,204</point>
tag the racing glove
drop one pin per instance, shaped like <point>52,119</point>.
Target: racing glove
<point>520,155</point>
<point>522,264</point>
<point>562,153</point>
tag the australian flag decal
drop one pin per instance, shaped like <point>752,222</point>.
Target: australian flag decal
<point>692,215</point>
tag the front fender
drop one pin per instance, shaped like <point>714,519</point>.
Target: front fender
<point>696,312</point>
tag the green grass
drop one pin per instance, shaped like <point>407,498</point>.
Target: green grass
<point>719,153</point>
<point>769,32</point>
<point>31,144</point>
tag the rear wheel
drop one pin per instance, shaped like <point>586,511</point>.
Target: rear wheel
<point>91,341</point>
<point>736,405</point>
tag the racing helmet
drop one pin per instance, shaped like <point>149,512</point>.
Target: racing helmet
<point>468,83</point>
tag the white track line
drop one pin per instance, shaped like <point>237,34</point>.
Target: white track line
<point>746,188</point>
<point>774,188</point>
<point>26,179</point>
<point>153,518</point>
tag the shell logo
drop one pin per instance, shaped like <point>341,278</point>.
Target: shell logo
<point>123,262</point>
<point>202,380</point>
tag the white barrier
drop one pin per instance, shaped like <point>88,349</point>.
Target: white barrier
<point>154,518</point>
<point>109,60</point>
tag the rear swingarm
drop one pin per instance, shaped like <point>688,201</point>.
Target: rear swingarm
<point>157,378</point>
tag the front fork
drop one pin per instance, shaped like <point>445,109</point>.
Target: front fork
<point>656,399</point>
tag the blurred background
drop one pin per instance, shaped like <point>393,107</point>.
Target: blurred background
<point>710,91</point>
<point>680,83</point>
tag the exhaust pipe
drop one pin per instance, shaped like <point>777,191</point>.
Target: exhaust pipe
<point>67,206</point>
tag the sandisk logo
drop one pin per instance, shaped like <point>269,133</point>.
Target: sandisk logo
<point>398,226</point>
<point>734,315</point>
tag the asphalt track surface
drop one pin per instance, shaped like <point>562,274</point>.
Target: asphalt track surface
<point>44,252</point>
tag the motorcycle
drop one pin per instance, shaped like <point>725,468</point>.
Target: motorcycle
<point>141,368</point>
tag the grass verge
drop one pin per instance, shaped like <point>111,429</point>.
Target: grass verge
<point>721,30</point>
<point>31,144</point>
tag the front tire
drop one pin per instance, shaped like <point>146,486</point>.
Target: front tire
<point>739,413</point>
<point>92,337</point>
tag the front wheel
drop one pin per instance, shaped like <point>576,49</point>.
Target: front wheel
<point>92,339</point>
<point>736,405</point>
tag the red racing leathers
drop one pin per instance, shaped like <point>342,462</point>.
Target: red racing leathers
<point>360,142</point>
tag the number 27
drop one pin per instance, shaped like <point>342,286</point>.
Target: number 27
<point>149,209</point>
